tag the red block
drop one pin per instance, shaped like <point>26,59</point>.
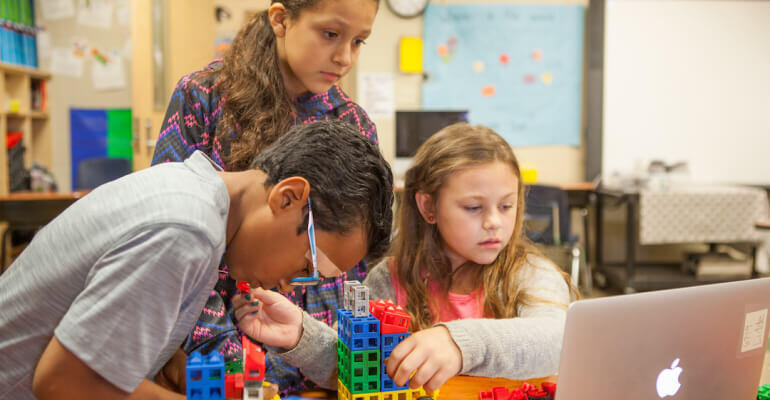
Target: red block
<point>253,361</point>
<point>486,395</point>
<point>549,387</point>
<point>376,308</point>
<point>234,386</point>
<point>537,395</point>
<point>243,286</point>
<point>518,395</point>
<point>394,320</point>
<point>500,393</point>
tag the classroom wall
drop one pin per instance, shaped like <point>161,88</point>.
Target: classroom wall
<point>555,164</point>
<point>65,92</point>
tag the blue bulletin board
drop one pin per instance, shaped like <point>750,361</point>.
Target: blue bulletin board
<point>518,68</point>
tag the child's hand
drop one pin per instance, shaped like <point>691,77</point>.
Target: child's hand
<point>430,354</point>
<point>269,318</point>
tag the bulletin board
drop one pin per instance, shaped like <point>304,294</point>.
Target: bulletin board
<point>518,68</point>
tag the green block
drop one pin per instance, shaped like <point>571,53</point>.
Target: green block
<point>234,367</point>
<point>119,134</point>
<point>764,392</point>
<point>359,371</point>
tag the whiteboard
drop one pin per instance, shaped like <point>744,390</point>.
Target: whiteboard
<point>688,80</point>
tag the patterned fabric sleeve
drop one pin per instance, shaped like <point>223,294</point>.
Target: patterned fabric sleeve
<point>190,121</point>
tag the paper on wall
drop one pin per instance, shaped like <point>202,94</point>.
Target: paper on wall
<point>43,44</point>
<point>110,75</point>
<point>57,9</point>
<point>122,12</point>
<point>376,94</point>
<point>65,63</point>
<point>95,13</point>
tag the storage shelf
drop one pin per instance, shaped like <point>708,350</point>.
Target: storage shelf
<point>36,115</point>
<point>20,70</point>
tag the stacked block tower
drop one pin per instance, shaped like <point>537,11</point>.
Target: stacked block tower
<point>367,332</point>
<point>210,378</point>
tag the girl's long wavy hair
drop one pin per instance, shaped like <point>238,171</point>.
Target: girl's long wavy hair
<point>257,107</point>
<point>417,248</point>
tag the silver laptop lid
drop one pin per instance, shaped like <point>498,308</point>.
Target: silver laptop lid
<point>703,342</point>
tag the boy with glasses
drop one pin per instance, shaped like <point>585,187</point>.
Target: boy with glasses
<point>107,292</point>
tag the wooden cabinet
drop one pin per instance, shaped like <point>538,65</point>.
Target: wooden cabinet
<point>23,110</point>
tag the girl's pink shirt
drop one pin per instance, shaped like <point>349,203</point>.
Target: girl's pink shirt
<point>459,306</point>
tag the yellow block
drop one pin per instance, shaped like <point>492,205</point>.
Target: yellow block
<point>529,176</point>
<point>410,55</point>
<point>397,395</point>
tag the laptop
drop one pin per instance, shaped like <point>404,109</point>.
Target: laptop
<point>701,342</point>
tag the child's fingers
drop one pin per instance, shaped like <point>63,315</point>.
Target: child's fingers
<point>397,355</point>
<point>424,373</point>
<point>245,309</point>
<point>408,366</point>
<point>437,380</point>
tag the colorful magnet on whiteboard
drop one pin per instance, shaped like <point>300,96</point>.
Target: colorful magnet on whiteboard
<point>478,67</point>
<point>537,55</point>
<point>504,59</point>
<point>530,79</point>
<point>547,78</point>
<point>488,91</point>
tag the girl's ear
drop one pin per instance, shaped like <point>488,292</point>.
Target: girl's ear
<point>426,206</point>
<point>278,17</point>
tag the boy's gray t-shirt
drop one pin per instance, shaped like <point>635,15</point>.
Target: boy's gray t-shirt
<point>120,277</point>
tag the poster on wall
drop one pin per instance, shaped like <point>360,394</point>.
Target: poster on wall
<point>517,67</point>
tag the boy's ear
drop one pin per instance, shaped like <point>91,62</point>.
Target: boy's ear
<point>278,17</point>
<point>288,194</point>
<point>426,206</point>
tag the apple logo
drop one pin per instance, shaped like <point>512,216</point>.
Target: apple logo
<point>668,380</point>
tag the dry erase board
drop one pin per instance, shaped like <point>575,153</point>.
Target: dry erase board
<point>518,68</point>
<point>688,80</point>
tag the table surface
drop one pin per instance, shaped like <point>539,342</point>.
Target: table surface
<point>459,387</point>
<point>32,196</point>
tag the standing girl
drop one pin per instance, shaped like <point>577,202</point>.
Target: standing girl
<point>482,300</point>
<point>281,70</point>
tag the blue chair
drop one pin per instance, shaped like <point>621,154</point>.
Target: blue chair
<point>94,172</point>
<point>547,222</point>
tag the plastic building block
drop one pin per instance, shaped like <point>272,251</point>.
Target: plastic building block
<point>244,287</point>
<point>763,393</point>
<point>500,393</point>
<point>486,395</point>
<point>396,395</point>
<point>253,370</point>
<point>550,388</point>
<point>386,383</point>
<point>360,301</point>
<point>205,376</point>
<point>233,367</point>
<point>358,333</point>
<point>390,341</point>
<point>538,395</point>
<point>347,294</point>
<point>234,386</point>
<point>394,320</point>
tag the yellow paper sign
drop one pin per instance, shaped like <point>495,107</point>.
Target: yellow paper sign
<point>410,55</point>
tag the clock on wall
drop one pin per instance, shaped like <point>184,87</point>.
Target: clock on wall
<point>407,8</point>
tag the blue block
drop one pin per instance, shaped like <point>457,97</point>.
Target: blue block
<point>205,376</point>
<point>391,340</point>
<point>387,384</point>
<point>358,333</point>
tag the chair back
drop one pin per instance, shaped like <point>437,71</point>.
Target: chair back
<point>546,215</point>
<point>94,172</point>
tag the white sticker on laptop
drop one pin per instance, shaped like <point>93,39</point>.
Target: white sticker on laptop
<point>754,330</point>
